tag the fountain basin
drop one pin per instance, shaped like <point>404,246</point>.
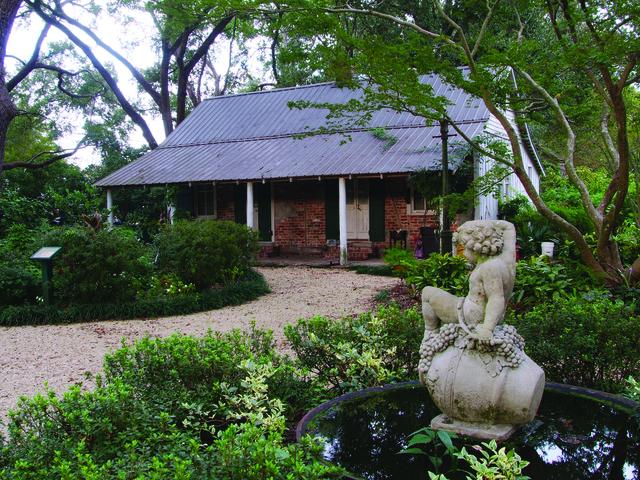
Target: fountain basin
<point>578,434</point>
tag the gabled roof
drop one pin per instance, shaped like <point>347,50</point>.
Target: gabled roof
<point>254,136</point>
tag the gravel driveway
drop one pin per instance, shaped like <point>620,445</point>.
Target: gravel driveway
<point>61,354</point>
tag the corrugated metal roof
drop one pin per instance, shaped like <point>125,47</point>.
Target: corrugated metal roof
<point>256,135</point>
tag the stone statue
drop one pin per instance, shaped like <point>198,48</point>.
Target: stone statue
<point>473,366</point>
<point>490,247</point>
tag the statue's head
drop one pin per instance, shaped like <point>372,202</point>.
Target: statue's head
<point>481,237</point>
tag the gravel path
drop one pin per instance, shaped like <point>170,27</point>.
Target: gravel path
<point>61,354</point>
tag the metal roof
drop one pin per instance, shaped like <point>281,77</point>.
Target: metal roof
<point>256,135</point>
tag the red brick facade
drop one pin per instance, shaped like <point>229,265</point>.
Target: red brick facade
<point>299,219</point>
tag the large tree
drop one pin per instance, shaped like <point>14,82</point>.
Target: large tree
<point>185,34</point>
<point>564,54</point>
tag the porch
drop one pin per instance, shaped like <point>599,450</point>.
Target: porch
<point>316,221</point>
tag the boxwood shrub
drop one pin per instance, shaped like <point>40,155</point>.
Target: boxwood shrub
<point>206,253</point>
<point>103,266</point>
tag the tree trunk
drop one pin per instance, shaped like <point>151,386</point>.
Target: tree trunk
<point>8,110</point>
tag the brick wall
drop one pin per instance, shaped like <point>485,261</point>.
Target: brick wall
<point>299,219</point>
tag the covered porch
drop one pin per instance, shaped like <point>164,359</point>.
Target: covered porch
<point>323,220</point>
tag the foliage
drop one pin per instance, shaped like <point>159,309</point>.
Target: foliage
<point>20,278</point>
<point>438,445</point>
<point>352,353</point>
<point>539,280</point>
<point>628,240</point>
<point>168,285</point>
<point>398,259</point>
<point>383,135</point>
<point>589,339</point>
<point>97,266</point>
<point>633,389</point>
<point>249,288</point>
<point>205,252</point>
<point>494,463</point>
<point>180,407</point>
<point>445,271</point>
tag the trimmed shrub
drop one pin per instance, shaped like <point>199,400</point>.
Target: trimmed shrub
<point>249,288</point>
<point>206,253</point>
<point>589,340</point>
<point>104,266</point>
<point>353,353</point>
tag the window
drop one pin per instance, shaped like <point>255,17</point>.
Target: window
<point>418,202</point>
<point>205,201</point>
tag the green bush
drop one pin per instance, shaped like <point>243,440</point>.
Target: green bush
<point>353,353</point>
<point>206,253</point>
<point>251,287</point>
<point>628,239</point>
<point>398,259</point>
<point>444,271</point>
<point>180,407</point>
<point>588,340</point>
<point>197,376</point>
<point>538,280</point>
<point>104,266</point>
<point>20,278</point>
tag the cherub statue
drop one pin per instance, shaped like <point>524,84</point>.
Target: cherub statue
<point>490,247</point>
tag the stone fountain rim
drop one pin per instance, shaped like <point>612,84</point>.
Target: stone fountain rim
<point>618,401</point>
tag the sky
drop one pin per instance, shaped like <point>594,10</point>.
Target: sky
<point>136,49</point>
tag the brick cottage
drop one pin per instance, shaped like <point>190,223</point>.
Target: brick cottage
<point>340,195</point>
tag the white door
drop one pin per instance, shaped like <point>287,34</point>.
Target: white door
<point>358,209</point>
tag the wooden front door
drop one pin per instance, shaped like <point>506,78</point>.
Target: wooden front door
<point>358,209</point>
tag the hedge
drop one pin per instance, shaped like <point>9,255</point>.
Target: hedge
<point>250,288</point>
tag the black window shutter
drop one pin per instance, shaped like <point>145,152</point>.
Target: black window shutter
<point>240,203</point>
<point>184,200</point>
<point>376,210</point>
<point>331,222</point>
<point>263,196</point>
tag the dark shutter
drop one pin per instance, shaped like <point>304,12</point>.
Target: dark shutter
<point>331,222</point>
<point>376,210</point>
<point>184,200</point>
<point>263,198</point>
<point>240,203</point>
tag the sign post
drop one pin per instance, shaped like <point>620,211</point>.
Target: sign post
<point>45,257</point>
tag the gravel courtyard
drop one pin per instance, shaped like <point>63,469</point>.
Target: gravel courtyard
<point>60,355</point>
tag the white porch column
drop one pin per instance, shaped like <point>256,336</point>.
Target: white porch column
<point>342,215</point>
<point>171,211</point>
<point>110,207</point>
<point>250,204</point>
